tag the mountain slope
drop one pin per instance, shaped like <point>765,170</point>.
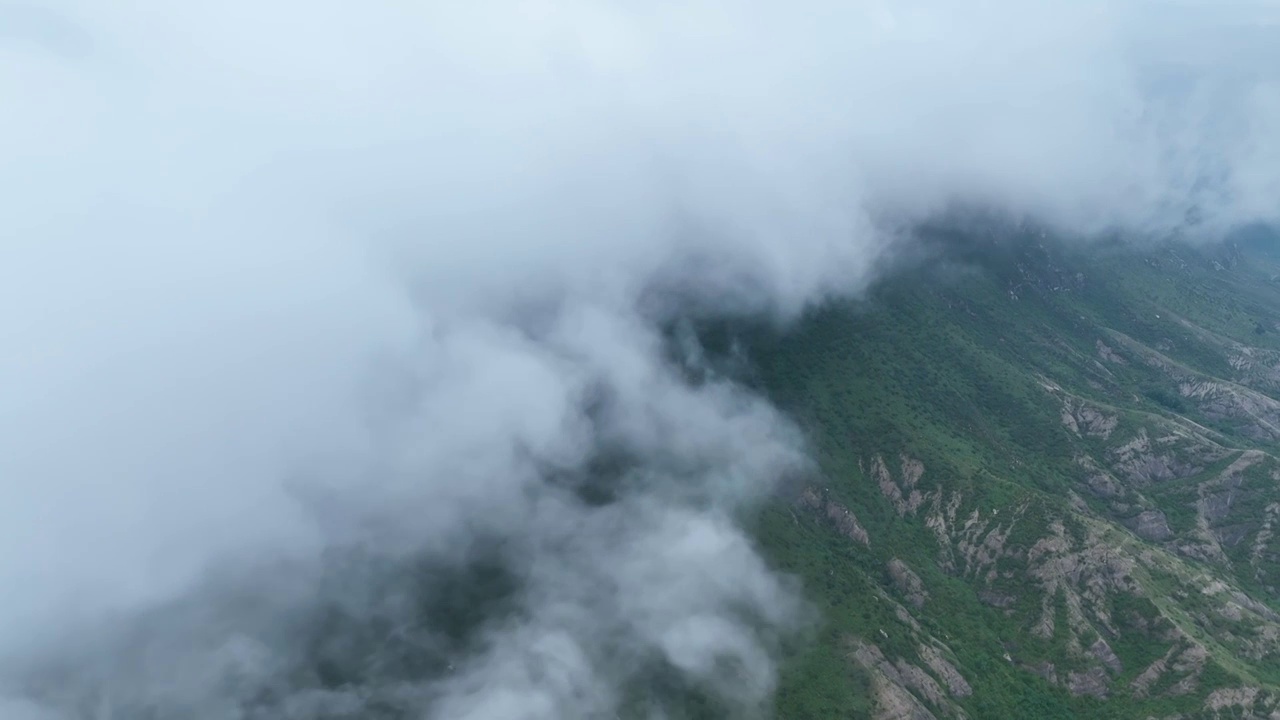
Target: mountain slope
<point>1048,485</point>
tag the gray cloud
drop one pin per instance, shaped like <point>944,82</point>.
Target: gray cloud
<point>293,281</point>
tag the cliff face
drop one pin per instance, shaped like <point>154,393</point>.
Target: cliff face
<point>1049,486</point>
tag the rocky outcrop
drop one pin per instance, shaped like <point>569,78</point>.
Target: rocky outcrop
<point>1254,414</point>
<point>893,702</point>
<point>1219,496</point>
<point>1086,575</point>
<point>1151,525</point>
<point>907,583</point>
<point>1243,697</point>
<point>1107,354</point>
<point>1232,511</point>
<point>1092,682</point>
<point>1091,509</point>
<point>846,523</point>
<point>905,497</point>
<point>1086,420</point>
<point>840,517</point>
<point>1263,538</point>
<point>1144,461</point>
<point>1181,661</point>
<point>942,520</point>
<point>912,471</point>
<point>1141,685</point>
<point>956,683</point>
<point>1099,482</point>
<point>902,689</point>
<point>1257,415</point>
<point>1189,664</point>
<point>1103,653</point>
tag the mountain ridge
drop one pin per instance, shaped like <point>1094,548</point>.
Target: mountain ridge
<point>1047,477</point>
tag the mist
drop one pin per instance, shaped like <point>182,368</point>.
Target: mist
<point>316,313</point>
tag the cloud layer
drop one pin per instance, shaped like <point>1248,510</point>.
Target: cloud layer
<point>307,299</point>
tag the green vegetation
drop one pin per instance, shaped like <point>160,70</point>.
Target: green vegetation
<point>1086,509</point>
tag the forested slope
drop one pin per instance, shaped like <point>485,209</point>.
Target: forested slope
<point>1047,484</point>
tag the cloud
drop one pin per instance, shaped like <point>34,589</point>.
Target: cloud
<point>286,283</point>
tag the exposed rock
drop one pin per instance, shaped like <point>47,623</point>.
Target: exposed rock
<point>1143,462</point>
<point>907,583</point>
<point>1222,493</point>
<point>912,471</point>
<point>1150,525</point>
<point>1087,577</point>
<point>941,519</point>
<point>866,654</point>
<point>1190,663</point>
<point>1093,683</point>
<point>1232,612</point>
<point>1256,415</point>
<point>840,517</point>
<point>900,685</point>
<point>847,523</point>
<point>1226,515</point>
<point>982,545</point>
<point>1103,485</point>
<point>1141,685</point>
<point>1083,419</point>
<point>1259,369</point>
<point>1045,626</point>
<point>1204,546</point>
<point>1232,535</point>
<point>1099,482</point>
<point>956,684</point>
<point>1106,353</point>
<point>1215,507</point>
<point>904,617</point>
<point>1242,697</point>
<point>1193,658</point>
<point>1254,606</point>
<point>905,498</point>
<point>871,656</point>
<point>1103,653</point>
<point>1264,535</point>
<point>1077,503</point>
<point>893,702</point>
<point>1218,400</point>
<point>921,682</point>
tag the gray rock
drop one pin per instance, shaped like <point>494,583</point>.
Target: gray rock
<point>1150,525</point>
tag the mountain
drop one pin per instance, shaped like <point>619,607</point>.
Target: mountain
<point>1047,483</point>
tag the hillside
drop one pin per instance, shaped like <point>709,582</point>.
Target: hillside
<point>1047,485</point>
